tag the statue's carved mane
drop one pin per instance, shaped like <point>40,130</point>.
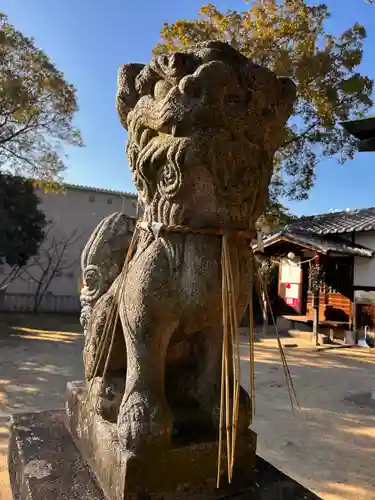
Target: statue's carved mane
<point>206,116</point>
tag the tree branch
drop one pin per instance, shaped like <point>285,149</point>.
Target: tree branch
<point>16,155</point>
<point>12,276</point>
<point>19,132</point>
<point>49,261</point>
<point>301,135</point>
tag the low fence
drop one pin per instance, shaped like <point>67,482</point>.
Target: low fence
<point>24,302</point>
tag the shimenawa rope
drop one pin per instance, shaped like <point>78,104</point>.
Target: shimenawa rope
<point>230,334</point>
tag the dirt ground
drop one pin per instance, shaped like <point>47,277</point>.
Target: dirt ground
<point>328,446</point>
<point>38,356</point>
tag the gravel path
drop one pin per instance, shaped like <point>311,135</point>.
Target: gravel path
<point>329,446</point>
<point>38,357</point>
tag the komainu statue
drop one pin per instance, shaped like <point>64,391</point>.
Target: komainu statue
<point>102,261</point>
<point>203,128</point>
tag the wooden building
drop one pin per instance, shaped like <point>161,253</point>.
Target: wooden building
<point>343,243</point>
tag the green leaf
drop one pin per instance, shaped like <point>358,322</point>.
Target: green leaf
<point>37,108</point>
<point>290,38</point>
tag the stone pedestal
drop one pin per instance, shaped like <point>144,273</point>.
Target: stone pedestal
<point>45,464</point>
<point>185,470</point>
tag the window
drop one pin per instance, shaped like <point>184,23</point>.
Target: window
<point>91,198</point>
<point>109,201</point>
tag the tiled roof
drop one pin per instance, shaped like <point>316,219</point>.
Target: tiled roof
<point>336,222</point>
<point>100,190</point>
<point>321,244</point>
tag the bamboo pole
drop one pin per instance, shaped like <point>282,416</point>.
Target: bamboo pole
<point>225,369</point>
<point>289,381</point>
<point>236,359</point>
<point>251,344</point>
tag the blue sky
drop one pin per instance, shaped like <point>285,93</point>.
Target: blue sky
<point>89,39</point>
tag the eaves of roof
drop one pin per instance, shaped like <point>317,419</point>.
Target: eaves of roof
<point>100,190</point>
<point>336,222</point>
<point>361,128</point>
<point>321,244</point>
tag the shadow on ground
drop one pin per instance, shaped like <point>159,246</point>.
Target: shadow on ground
<point>39,355</point>
<point>329,445</point>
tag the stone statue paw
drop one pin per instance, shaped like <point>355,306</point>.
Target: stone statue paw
<point>143,424</point>
<point>108,403</point>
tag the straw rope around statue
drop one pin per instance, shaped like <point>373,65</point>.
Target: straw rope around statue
<point>230,346</point>
<point>231,349</point>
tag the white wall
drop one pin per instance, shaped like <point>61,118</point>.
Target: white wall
<point>364,268</point>
<point>73,215</point>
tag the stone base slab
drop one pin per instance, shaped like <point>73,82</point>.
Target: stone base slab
<point>44,464</point>
<point>183,470</point>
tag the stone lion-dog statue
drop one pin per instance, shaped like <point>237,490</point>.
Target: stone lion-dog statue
<point>203,128</point>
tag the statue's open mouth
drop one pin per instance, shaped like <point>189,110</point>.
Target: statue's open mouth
<point>161,131</point>
<point>171,116</point>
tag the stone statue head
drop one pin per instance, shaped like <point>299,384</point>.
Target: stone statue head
<point>203,127</point>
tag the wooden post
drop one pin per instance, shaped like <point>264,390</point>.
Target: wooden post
<point>354,320</point>
<point>315,304</point>
<point>315,299</point>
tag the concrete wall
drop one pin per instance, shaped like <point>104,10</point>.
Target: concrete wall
<point>72,216</point>
<point>364,269</point>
